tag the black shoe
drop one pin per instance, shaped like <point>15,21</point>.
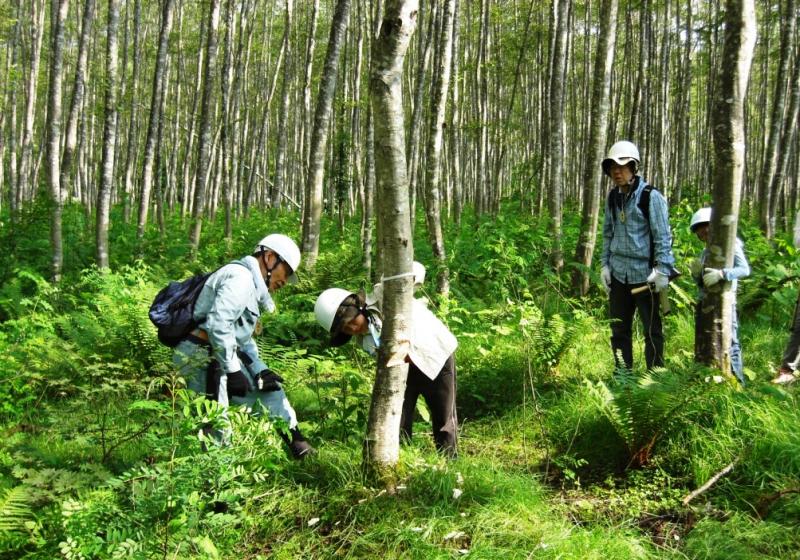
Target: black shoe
<point>299,447</point>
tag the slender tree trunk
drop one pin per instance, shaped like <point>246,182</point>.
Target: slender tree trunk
<point>133,123</point>
<point>319,136</point>
<point>788,26</point>
<point>109,136</point>
<point>309,66</point>
<point>71,139</point>
<point>279,183</point>
<point>13,186</point>
<point>382,444</point>
<point>454,129</point>
<point>434,151</point>
<point>24,182</point>
<point>789,130</point>
<point>593,176</point>
<point>204,147</point>
<point>150,146</point>
<point>58,14</point>
<point>713,338</point>
<point>555,184</point>
<point>425,40</point>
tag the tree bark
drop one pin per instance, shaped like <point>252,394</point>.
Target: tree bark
<point>771,155</point>
<point>556,140</point>
<point>58,15</point>
<point>24,182</point>
<point>78,91</point>
<point>382,444</point>
<point>109,136</point>
<point>204,146</point>
<point>593,175</point>
<point>154,123</point>
<point>278,182</point>
<point>713,338</point>
<point>133,123</point>
<point>434,151</point>
<point>319,135</point>
<point>789,130</point>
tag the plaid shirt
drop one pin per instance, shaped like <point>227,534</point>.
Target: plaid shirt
<point>626,236</point>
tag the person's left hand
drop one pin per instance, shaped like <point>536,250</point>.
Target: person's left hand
<point>712,276</point>
<point>658,280</point>
<point>268,381</point>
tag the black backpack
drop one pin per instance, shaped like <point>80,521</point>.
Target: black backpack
<point>172,310</point>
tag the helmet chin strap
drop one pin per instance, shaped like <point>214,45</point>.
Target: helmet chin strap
<point>268,268</point>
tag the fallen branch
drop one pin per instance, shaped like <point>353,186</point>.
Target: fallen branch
<point>767,501</point>
<point>711,482</point>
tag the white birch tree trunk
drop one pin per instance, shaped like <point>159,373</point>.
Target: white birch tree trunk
<point>109,137</point>
<point>382,444</point>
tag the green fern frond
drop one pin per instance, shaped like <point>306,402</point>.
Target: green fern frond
<point>15,509</point>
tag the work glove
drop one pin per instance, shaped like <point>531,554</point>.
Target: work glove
<point>238,385</point>
<point>268,381</point>
<point>712,276</point>
<point>658,280</point>
<point>605,278</point>
<point>696,269</point>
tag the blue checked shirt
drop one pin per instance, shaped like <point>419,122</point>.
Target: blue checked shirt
<point>626,241</point>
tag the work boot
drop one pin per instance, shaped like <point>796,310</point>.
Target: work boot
<point>298,446</point>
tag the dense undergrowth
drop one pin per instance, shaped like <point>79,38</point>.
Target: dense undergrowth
<point>559,456</point>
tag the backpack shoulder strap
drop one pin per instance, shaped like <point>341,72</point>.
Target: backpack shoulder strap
<point>610,203</point>
<point>644,207</point>
<point>644,201</point>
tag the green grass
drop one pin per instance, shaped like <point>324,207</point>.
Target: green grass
<point>543,472</point>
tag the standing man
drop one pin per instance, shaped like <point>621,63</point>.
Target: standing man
<point>220,358</point>
<point>637,251</point>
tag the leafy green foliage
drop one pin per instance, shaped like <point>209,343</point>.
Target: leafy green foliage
<point>643,407</point>
<point>101,434</point>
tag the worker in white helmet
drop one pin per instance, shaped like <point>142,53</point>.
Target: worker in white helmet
<point>431,371</point>
<point>706,277</point>
<point>220,358</point>
<point>637,251</point>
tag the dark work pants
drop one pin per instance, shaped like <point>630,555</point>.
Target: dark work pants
<point>622,307</point>
<point>791,355</point>
<point>440,396</point>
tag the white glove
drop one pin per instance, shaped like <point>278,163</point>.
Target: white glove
<point>712,276</point>
<point>605,278</point>
<point>659,280</point>
<point>696,268</point>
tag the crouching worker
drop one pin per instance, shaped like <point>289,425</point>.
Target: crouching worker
<point>220,358</point>
<point>706,277</point>
<point>432,368</point>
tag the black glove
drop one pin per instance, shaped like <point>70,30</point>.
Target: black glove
<point>238,385</point>
<point>268,381</point>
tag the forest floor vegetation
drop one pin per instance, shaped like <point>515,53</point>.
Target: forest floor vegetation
<point>560,456</point>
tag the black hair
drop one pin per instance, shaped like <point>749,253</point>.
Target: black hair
<point>351,307</point>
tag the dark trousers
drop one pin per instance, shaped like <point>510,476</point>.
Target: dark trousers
<point>440,396</point>
<point>791,355</point>
<point>622,307</point>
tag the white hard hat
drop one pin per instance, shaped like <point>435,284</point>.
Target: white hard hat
<point>621,153</point>
<point>285,248</point>
<point>327,304</point>
<point>702,216</point>
<point>419,272</point>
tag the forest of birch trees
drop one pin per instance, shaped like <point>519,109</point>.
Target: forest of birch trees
<point>199,108</point>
